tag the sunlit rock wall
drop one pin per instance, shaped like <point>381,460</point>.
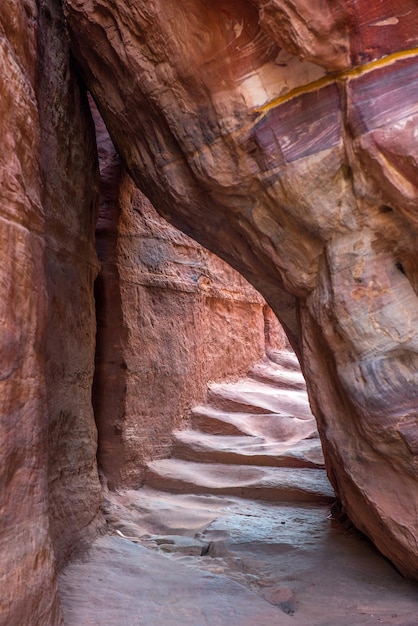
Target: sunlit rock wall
<point>171,317</point>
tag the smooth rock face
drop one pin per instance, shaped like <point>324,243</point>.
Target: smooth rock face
<point>49,489</point>
<point>292,555</point>
<point>304,182</point>
<point>171,317</point>
<point>25,543</point>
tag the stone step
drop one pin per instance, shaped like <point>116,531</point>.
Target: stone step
<point>252,396</point>
<point>254,482</point>
<point>271,426</point>
<point>192,445</point>
<point>281,376</point>
<point>284,358</point>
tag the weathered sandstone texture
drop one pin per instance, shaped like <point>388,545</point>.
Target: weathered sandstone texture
<point>49,489</point>
<point>25,543</point>
<point>70,181</point>
<point>171,317</point>
<point>305,181</point>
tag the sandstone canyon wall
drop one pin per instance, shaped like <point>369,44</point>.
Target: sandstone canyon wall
<point>23,449</point>
<point>70,179</point>
<point>50,493</point>
<point>281,136</point>
<point>171,317</point>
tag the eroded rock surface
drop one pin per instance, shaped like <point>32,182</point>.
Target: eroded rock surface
<point>70,181</point>
<point>252,438</point>
<point>290,552</point>
<point>134,580</point>
<point>49,488</point>
<point>171,317</point>
<point>23,313</point>
<point>305,182</point>
<point>291,557</point>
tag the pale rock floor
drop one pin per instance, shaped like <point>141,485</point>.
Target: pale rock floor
<point>235,529</point>
<point>265,564</point>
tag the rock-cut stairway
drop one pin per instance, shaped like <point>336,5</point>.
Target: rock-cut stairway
<point>254,438</point>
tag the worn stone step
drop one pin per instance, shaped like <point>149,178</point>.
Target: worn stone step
<point>252,396</point>
<point>277,375</point>
<point>192,445</point>
<point>271,426</point>
<point>255,482</point>
<point>284,358</point>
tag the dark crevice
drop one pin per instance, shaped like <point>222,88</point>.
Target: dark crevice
<point>400,267</point>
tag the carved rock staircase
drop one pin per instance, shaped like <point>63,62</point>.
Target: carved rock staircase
<point>254,438</point>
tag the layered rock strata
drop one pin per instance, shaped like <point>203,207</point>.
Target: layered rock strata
<point>281,136</point>
<point>23,321</point>
<point>171,316</point>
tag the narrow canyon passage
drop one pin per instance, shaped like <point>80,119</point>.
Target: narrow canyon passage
<point>146,463</point>
<point>235,528</point>
<point>228,519</point>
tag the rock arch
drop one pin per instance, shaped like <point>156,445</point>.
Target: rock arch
<point>290,152</point>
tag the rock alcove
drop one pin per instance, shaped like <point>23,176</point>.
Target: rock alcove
<point>281,136</point>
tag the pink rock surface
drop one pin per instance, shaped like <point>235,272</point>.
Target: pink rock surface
<point>192,445</point>
<point>70,195</point>
<point>267,460</point>
<point>134,578</point>
<point>292,556</point>
<point>171,316</point>
<point>276,484</point>
<point>24,540</point>
<point>304,181</point>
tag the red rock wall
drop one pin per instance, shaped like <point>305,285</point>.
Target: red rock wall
<point>70,179</point>
<point>303,176</point>
<point>304,181</point>
<point>171,317</point>
<point>50,493</point>
<point>25,543</point>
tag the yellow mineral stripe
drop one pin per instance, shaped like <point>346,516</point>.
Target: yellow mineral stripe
<point>352,72</point>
